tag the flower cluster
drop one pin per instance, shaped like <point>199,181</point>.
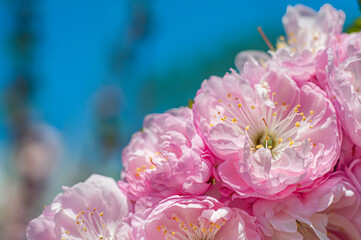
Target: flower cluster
<point>271,150</point>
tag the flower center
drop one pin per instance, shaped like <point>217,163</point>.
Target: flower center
<point>149,165</point>
<point>266,123</point>
<point>204,230</point>
<point>306,231</point>
<point>90,225</point>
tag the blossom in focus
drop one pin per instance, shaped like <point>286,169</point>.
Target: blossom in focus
<point>95,209</point>
<point>271,135</point>
<point>329,211</point>
<point>166,158</point>
<point>193,218</point>
<point>309,33</point>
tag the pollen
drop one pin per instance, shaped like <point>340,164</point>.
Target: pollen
<point>239,105</point>
<point>220,100</point>
<point>280,140</point>
<point>211,125</point>
<point>229,95</point>
<point>253,107</point>
<point>274,114</point>
<point>312,112</point>
<point>259,146</point>
<point>291,143</point>
<point>234,120</point>
<point>246,128</point>
<point>297,124</point>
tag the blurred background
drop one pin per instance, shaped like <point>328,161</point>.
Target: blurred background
<point>78,77</point>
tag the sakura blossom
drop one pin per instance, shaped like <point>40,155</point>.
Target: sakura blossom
<point>272,135</point>
<point>344,81</point>
<point>308,35</point>
<point>95,209</point>
<point>167,157</point>
<point>193,218</point>
<point>329,211</point>
<point>270,151</point>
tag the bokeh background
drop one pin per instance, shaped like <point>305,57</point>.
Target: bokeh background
<point>78,77</point>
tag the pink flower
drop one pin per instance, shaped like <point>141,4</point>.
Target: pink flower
<point>329,211</point>
<point>271,135</point>
<point>349,153</point>
<point>308,30</point>
<point>93,210</point>
<point>191,218</point>
<point>353,172</point>
<point>344,82</point>
<point>168,157</point>
<point>308,34</point>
